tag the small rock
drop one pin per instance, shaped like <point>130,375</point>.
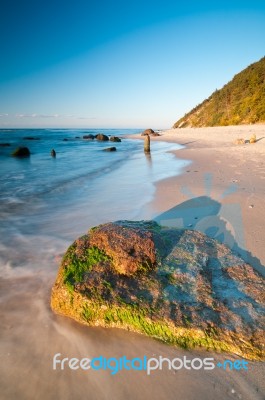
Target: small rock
<point>150,132</point>
<point>147,132</point>
<point>30,138</point>
<point>90,136</point>
<point>110,149</point>
<point>251,206</point>
<point>5,144</point>
<point>53,153</point>
<point>21,152</point>
<point>114,139</point>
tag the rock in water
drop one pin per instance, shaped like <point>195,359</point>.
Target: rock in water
<point>147,144</point>
<point>110,149</point>
<point>101,137</point>
<point>53,153</point>
<point>179,286</point>
<point>115,139</point>
<point>21,152</point>
<point>90,136</point>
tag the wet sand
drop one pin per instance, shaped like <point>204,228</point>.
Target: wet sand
<point>32,335</point>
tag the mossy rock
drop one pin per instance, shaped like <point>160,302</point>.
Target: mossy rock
<point>178,286</point>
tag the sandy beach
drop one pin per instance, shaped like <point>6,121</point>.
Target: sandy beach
<point>231,174</point>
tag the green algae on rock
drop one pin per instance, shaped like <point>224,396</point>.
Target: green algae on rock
<point>175,285</point>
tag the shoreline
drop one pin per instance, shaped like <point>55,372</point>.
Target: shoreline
<point>228,173</point>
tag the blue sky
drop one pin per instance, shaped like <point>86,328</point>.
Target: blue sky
<point>120,64</point>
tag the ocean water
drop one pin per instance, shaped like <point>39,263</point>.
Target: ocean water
<point>45,204</point>
<point>83,186</point>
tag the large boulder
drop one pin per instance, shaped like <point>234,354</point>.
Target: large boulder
<point>21,152</point>
<point>101,137</point>
<point>176,285</point>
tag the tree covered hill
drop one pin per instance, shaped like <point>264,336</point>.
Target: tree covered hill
<point>240,101</point>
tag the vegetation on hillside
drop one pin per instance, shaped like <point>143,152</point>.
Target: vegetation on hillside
<point>240,101</point>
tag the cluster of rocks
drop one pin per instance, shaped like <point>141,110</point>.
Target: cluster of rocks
<point>23,151</point>
<point>101,137</point>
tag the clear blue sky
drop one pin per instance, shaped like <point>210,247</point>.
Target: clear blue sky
<point>118,63</point>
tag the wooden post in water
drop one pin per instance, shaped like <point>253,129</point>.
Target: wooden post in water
<point>147,144</point>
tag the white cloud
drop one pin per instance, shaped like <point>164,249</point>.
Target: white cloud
<point>36,116</point>
<point>50,116</point>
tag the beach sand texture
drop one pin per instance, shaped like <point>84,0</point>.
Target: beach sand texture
<point>228,174</point>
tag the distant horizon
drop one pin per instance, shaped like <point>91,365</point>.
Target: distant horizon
<point>120,65</point>
<point>78,128</point>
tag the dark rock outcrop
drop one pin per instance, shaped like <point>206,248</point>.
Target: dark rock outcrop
<point>5,144</point>
<point>101,137</point>
<point>21,152</point>
<point>30,138</point>
<point>176,285</point>
<point>110,149</point>
<point>115,139</point>
<point>89,137</point>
